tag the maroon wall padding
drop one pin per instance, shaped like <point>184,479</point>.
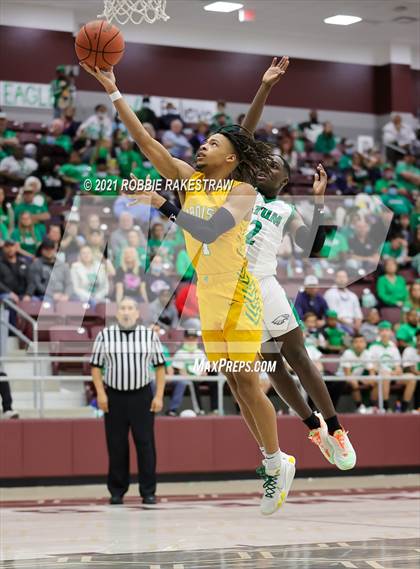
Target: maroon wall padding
<point>209,74</point>
<point>66,448</point>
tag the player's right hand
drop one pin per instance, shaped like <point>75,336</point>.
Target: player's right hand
<point>103,402</point>
<point>276,70</point>
<point>106,78</point>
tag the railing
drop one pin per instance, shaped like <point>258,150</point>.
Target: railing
<point>220,379</point>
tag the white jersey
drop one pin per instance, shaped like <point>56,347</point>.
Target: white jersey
<point>265,233</point>
<point>411,358</point>
<point>356,363</point>
<point>385,358</point>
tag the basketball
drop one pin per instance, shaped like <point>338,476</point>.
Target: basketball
<point>99,43</point>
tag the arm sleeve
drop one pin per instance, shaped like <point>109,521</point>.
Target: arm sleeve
<point>97,358</point>
<point>311,239</point>
<point>204,230</point>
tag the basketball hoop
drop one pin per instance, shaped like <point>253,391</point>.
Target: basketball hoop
<point>134,11</point>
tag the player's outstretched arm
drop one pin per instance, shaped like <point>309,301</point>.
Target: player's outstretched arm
<point>238,206</point>
<point>272,76</point>
<point>158,155</point>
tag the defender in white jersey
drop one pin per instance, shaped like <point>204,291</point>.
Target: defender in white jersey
<point>272,218</point>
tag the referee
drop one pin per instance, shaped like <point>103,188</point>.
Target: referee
<point>126,351</point>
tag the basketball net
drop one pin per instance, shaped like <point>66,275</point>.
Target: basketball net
<point>135,11</point>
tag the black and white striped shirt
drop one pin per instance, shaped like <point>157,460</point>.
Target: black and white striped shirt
<point>127,356</point>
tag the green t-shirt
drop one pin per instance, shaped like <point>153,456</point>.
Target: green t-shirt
<point>142,171</point>
<point>127,160</point>
<point>335,244</point>
<point>388,251</point>
<point>403,167</point>
<point>334,336</point>
<point>392,293</point>
<point>325,144</point>
<point>75,171</point>
<point>105,186</point>
<point>4,232</point>
<point>5,149</point>
<point>398,204</point>
<point>32,208</point>
<point>28,241</point>
<point>165,248</point>
<point>406,332</point>
<point>345,162</point>
<point>5,215</point>
<point>382,185</point>
<point>62,140</point>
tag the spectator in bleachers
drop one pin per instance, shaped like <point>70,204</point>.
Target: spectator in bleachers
<point>398,133</point>
<point>157,276</point>
<point>71,241</point>
<point>129,282</point>
<point>158,244</point>
<point>358,170</point>
<point>62,89</point>
<point>369,327</point>
<point>413,298</point>
<point>146,170</point>
<point>169,114</point>
<point>54,233</point>
<point>396,248</point>
<point>356,361</point>
<point>13,271</point>
<point>33,184</point>
<point>89,278</point>
<point>176,142</point>
<point>146,114</point>
<point>48,277</point>
<point>408,174</point>
<point>344,302</point>
<point>186,301</point>
<point>363,253</point>
<point>96,127</point>
<point>163,310</point>
<point>8,138</point>
<point>336,247</point>
<point>142,213</point>
<point>288,153</point>
<point>310,300</point>
<point>17,166</point>
<point>28,234</point>
<point>335,335</point>
<point>119,237</point>
<point>398,203</point>
<point>313,352</point>
<point>221,118</point>
<point>133,240</point>
<point>55,136</point>
<point>326,143</point>
<point>32,203</point>
<point>391,288</point>
<point>312,122</point>
<point>74,171</point>
<point>70,125</point>
<point>7,216</point>
<point>184,361</point>
<point>406,332</point>
<point>386,360</point>
<point>313,332</point>
<point>411,358</point>
<point>199,136</point>
<point>128,157</point>
<point>386,180</point>
<point>52,185</point>
<point>102,171</point>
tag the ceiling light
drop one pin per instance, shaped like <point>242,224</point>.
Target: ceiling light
<point>223,7</point>
<point>341,20</point>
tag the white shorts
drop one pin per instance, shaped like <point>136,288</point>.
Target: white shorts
<point>278,316</point>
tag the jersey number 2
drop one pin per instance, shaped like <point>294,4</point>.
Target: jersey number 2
<point>251,234</point>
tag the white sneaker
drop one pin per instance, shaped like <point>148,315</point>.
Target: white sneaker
<point>10,414</point>
<point>277,484</point>
<point>319,437</point>
<point>342,451</point>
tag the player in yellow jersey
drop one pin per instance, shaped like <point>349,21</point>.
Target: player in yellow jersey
<point>214,223</point>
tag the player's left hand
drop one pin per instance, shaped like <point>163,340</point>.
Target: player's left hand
<point>106,78</point>
<point>276,70</point>
<point>157,405</point>
<point>320,181</point>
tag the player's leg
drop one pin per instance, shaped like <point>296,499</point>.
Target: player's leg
<point>293,349</point>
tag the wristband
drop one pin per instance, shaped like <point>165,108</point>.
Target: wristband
<point>169,210</point>
<point>115,96</point>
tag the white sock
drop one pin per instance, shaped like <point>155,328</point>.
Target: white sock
<point>262,450</point>
<point>273,461</point>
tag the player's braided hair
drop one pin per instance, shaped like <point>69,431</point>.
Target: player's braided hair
<point>255,157</point>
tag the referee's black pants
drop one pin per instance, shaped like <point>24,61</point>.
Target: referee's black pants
<point>130,409</point>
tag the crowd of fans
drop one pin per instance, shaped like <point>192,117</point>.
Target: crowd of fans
<point>119,250</point>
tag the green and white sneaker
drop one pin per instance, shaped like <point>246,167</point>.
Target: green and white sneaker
<point>277,484</point>
<point>342,451</point>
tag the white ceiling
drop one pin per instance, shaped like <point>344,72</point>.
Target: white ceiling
<point>281,26</point>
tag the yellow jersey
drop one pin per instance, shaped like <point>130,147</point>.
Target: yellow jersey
<point>228,253</point>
